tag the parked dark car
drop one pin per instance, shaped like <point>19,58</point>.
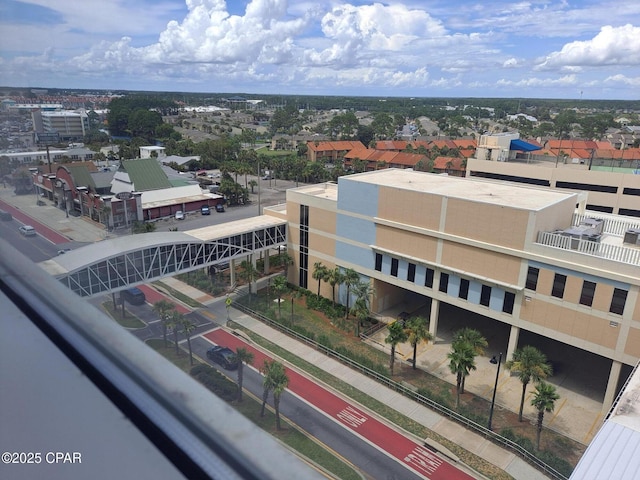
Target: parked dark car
<point>205,210</point>
<point>223,356</point>
<point>134,296</point>
<point>219,207</point>
<point>5,215</point>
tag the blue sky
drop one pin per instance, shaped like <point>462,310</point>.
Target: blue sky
<point>419,48</point>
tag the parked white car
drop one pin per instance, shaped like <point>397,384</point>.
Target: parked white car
<point>179,215</point>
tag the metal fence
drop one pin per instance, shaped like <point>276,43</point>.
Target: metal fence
<point>408,392</point>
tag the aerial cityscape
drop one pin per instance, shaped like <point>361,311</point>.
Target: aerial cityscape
<point>273,238</point>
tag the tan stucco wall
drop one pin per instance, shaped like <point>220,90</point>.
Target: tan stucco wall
<point>408,243</point>
<point>484,222</point>
<point>484,263</point>
<point>632,347</point>
<point>412,208</point>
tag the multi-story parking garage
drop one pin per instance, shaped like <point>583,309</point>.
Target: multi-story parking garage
<point>526,265</point>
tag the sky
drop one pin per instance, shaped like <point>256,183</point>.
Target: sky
<point>587,49</point>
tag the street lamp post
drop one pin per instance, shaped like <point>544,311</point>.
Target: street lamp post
<point>494,361</point>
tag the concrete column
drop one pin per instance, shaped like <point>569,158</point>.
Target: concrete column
<point>266,261</point>
<point>513,341</point>
<point>232,270</point>
<point>610,392</point>
<point>433,318</point>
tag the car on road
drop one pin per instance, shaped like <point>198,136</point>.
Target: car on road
<point>219,207</point>
<point>5,215</point>
<point>179,215</point>
<point>27,230</point>
<point>223,356</point>
<point>62,251</point>
<point>134,296</point>
<point>205,210</point>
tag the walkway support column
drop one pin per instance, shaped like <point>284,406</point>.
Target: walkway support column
<point>232,271</point>
<point>612,384</point>
<point>514,335</point>
<point>266,262</point>
<point>433,318</point>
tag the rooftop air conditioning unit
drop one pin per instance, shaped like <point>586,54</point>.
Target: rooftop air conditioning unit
<point>632,236</point>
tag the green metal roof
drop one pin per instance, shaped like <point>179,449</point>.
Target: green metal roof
<point>81,176</point>
<point>146,174</point>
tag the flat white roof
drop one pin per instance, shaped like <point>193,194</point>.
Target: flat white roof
<point>523,197</point>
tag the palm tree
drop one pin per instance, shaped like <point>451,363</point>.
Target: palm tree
<point>396,335</point>
<point>279,286</point>
<point>244,356</point>
<point>334,278</point>
<point>544,400</point>
<point>417,329</point>
<point>175,320</point>
<point>286,261</point>
<point>275,378</point>
<point>529,364</point>
<point>320,272</point>
<point>350,278</point>
<point>363,292</point>
<point>163,308</point>
<point>461,362</point>
<point>475,339</point>
<point>249,272</point>
<point>187,327</point>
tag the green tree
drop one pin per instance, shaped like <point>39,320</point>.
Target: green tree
<point>163,309</point>
<point>461,362</point>
<point>243,356</point>
<point>286,261</point>
<point>334,278</point>
<point>396,335</point>
<point>174,322</point>
<point>248,272</point>
<point>417,329</point>
<point>474,338</point>
<point>276,380</point>
<point>349,279</point>
<point>363,292</point>
<point>187,329</point>
<point>320,273</point>
<point>544,400</point>
<point>529,364</point>
<point>279,286</point>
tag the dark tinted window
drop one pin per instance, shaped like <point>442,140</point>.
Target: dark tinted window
<point>618,300</point>
<point>444,282</point>
<point>588,291</point>
<point>485,295</point>
<point>532,278</point>
<point>428,279</point>
<point>509,299</point>
<point>559,281</point>
<point>378,262</point>
<point>394,267</point>
<point>411,272</point>
<point>464,288</point>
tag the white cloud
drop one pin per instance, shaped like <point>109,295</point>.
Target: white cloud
<point>623,80</point>
<point>612,46</point>
<point>567,80</point>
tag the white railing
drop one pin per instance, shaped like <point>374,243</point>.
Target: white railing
<point>613,224</point>
<point>616,253</point>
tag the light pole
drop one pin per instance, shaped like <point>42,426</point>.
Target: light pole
<point>494,361</point>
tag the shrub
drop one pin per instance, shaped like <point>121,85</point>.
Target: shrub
<point>215,381</point>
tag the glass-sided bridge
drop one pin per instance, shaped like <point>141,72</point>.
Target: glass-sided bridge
<point>122,262</point>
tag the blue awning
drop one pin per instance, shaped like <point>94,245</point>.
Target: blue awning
<point>523,146</point>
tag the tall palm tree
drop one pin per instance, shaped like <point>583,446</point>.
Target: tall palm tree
<point>417,329</point>
<point>320,272</point>
<point>243,356</point>
<point>529,364</point>
<point>396,335</point>
<point>350,278</point>
<point>275,378</point>
<point>175,320</point>
<point>363,292</point>
<point>187,327</point>
<point>461,362</point>
<point>279,286</point>
<point>163,308</point>
<point>249,272</point>
<point>334,278</point>
<point>475,339</point>
<point>544,400</point>
<point>286,261</point>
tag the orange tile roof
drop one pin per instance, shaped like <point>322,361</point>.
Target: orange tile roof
<point>344,145</point>
<point>440,163</point>
<point>391,145</point>
<point>465,143</point>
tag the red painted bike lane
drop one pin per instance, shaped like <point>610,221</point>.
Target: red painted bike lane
<point>415,456</point>
<point>152,296</point>
<point>48,233</point>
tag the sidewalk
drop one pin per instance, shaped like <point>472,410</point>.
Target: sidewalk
<point>472,442</point>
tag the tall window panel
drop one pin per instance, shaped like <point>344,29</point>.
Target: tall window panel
<point>444,282</point>
<point>485,295</point>
<point>559,282</point>
<point>304,246</point>
<point>464,288</point>
<point>394,267</point>
<point>587,294</point>
<point>378,262</point>
<point>509,300</point>
<point>428,279</point>
<point>618,300</point>
<point>532,278</point>
<point>411,272</point>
